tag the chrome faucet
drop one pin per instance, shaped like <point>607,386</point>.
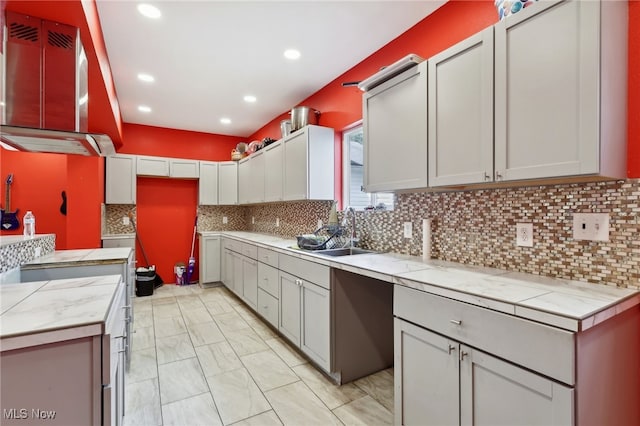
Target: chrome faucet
<point>354,238</point>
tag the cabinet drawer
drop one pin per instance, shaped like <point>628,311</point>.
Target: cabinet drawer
<point>268,279</point>
<point>268,307</point>
<point>233,245</point>
<point>548,350</point>
<point>267,256</point>
<point>249,250</point>
<point>310,271</point>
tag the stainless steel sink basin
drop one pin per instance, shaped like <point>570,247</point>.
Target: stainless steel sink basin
<point>347,251</point>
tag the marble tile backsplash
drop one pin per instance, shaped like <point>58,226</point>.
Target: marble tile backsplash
<point>23,251</point>
<point>477,227</point>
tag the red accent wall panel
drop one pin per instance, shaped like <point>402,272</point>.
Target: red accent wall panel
<point>633,112</point>
<point>85,193</point>
<point>166,211</point>
<point>163,142</point>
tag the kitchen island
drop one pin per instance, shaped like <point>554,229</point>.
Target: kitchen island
<point>61,351</point>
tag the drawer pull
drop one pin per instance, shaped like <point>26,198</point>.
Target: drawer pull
<point>456,322</point>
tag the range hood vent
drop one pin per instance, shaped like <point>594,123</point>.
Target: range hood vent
<point>45,96</point>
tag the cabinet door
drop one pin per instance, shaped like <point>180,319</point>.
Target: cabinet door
<point>289,318</point>
<point>461,112</point>
<point>426,389</point>
<point>152,166</point>
<point>250,282</point>
<point>547,99</point>
<point>244,181</point>
<point>228,183</point>
<point>273,172</point>
<point>494,392</point>
<point>209,259</point>
<point>120,185</point>
<point>208,184</point>
<point>295,167</point>
<point>395,132</point>
<point>184,168</point>
<point>228,271</point>
<point>314,340</point>
<point>238,284</point>
<point>256,173</point>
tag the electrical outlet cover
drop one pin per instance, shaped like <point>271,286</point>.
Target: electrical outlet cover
<point>591,226</point>
<point>277,221</point>
<point>524,234</point>
<point>408,230</point>
<point>224,219</point>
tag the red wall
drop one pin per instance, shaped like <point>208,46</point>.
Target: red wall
<point>453,22</point>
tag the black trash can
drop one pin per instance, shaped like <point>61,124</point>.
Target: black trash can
<point>145,280</point>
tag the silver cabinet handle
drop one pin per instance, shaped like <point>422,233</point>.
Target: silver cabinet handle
<point>487,176</point>
<point>452,348</point>
<point>462,355</point>
<point>456,322</point>
<point>498,175</point>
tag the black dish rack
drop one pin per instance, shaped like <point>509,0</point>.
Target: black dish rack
<point>326,237</point>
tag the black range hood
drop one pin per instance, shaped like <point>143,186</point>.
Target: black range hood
<point>45,96</point>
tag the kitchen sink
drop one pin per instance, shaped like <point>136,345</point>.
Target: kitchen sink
<point>346,251</point>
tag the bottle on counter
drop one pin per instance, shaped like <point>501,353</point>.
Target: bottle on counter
<point>29,223</point>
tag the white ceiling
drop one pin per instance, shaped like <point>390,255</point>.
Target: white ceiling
<point>207,55</point>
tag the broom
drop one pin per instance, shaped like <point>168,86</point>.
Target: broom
<point>192,260</point>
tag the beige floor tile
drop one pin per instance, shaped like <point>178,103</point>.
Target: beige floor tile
<point>143,365</point>
<point>166,310</point>
<point>265,419</point>
<point>218,306</point>
<point>142,304</point>
<point>205,333</point>
<point>331,394</point>
<point>197,410</point>
<point>142,404</point>
<point>246,313</point>
<point>286,352</point>
<point>143,338</point>
<point>245,341</point>
<point>217,358</point>
<point>364,411</point>
<point>263,330</point>
<point>380,387</point>
<point>268,370</point>
<point>188,303</point>
<point>165,327</point>
<point>142,319</point>
<point>295,404</point>
<point>181,379</point>
<point>162,297</point>
<point>196,315</point>
<point>230,321</point>
<point>174,348</point>
<point>237,396</point>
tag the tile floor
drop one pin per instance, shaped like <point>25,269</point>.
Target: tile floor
<point>201,357</point>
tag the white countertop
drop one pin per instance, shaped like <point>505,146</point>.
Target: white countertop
<point>48,311</point>
<point>572,305</point>
<point>60,258</point>
<point>117,236</point>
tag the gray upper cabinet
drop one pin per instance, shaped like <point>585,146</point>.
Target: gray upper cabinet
<point>228,183</point>
<point>187,169</point>
<point>309,164</point>
<point>273,172</point>
<point>461,112</point>
<point>244,180</point>
<point>257,177</point>
<point>560,94</point>
<point>208,184</point>
<point>152,166</point>
<point>395,132</point>
<point>120,182</point>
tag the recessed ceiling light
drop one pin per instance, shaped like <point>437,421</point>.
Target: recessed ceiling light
<point>147,78</point>
<point>149,11</point>
<point>144,108</point>
<point>225,120</point>
<point>250,98</point>
<point>292,54</point>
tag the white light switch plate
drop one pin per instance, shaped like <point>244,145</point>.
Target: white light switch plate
<point>253,220</point>
<point>125,220</point>
<point>277,222</point>
<point>591,226</point>
<point>320,224</point>
<point>408,230</point>
<point>524,234</point>
<point>224,219</point>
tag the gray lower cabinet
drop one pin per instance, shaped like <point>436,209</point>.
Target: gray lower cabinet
<point>441,381</point>
<point>209,265</point>
<point>289,323</point>
<point>227,269</point>
<point>250,282</point>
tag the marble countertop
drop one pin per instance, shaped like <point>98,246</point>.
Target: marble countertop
<point>573,305</point>
<point>8,240</point>
<point>48,311</point>
<point>62,258</point>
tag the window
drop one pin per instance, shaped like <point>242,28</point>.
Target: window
<point>353,175</point>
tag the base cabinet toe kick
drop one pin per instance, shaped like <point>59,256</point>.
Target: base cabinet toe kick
<point>457,363</point>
